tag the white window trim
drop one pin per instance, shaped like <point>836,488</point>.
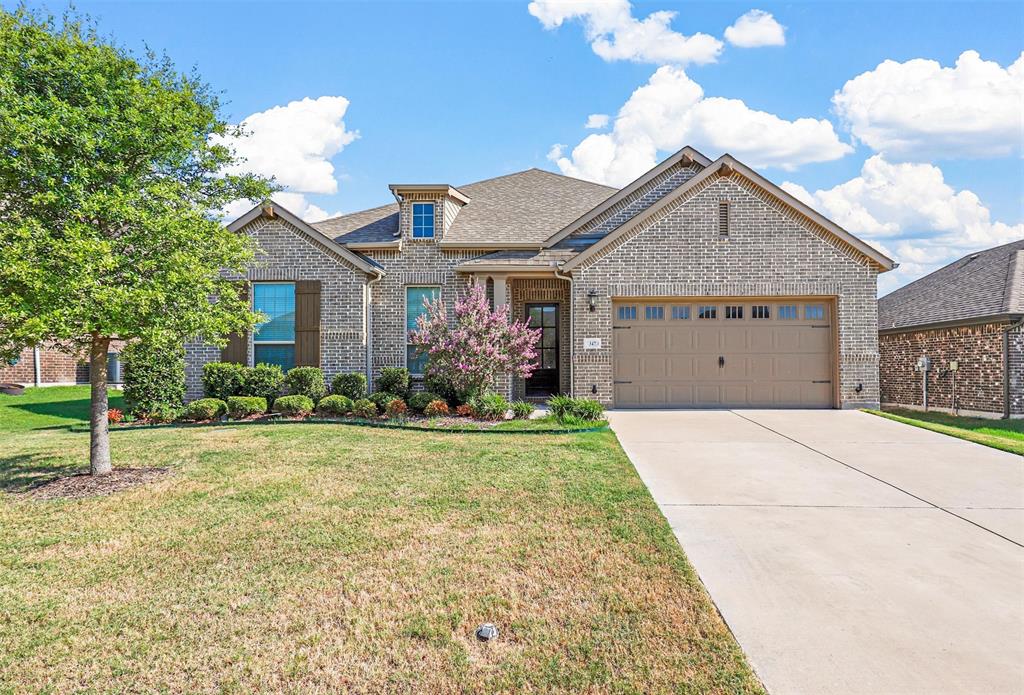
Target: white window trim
<point>252,305</point>
<point>405,316</point>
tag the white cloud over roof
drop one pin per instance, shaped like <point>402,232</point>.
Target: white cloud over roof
<point>755,29</point>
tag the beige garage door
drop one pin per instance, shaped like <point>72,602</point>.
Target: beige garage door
<point>716,353</point>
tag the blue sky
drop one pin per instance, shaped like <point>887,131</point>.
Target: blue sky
<point>455,92</point>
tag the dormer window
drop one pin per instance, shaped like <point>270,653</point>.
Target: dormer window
<point>422,220</point>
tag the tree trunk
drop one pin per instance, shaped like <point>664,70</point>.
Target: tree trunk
<point>99,432</point>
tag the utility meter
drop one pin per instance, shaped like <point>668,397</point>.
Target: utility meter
<point>924,363</point>
<point>953,365</point>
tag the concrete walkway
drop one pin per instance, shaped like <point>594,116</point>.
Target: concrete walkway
<point>847,553</point>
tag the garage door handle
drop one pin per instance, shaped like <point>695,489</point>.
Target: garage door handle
<point>721,361</point>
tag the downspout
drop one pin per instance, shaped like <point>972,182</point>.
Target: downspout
<point>369,331</point>
<point>572,331</point>
<point>37,372</point>
<point>1006,366</point>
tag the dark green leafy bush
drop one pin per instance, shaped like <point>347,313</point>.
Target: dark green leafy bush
<point>245,406</point>
<point>223,379</point>
<point>154,374</point>
<point>490,406</point>
<point>334,405</point>
<point>204,409</point>
<point>294,405</point>
<point>436,383</point>
<point>352,386</point>
<point>420,400</point>
<point>381,400</point>
<point>585,409</point>
<point>364,408</point>
<point>262,381</point>
<point>522,410</point>
<point>394,380</point>
<point>162,413</point>
<point>306,381</point>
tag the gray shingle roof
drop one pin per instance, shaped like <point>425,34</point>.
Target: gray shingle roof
<point>547,258</point>
<point>524,207</point>
<point>987,283</point>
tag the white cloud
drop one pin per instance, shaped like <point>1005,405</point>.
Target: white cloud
<point>671,111</point>
<point>615,34</point>
<point>919,109</point>
<point>596,121</point>
<point>754,29</point>
<point>296,142</point>
<point>909,212</point>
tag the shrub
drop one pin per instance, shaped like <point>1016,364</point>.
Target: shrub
<point>223,379</point>
<point>489,406</point>
<point>443,387</point>
<point>396,408</point>
<point>335,405</point>
<point>464,410</point>
<point>204,409</point>
<point>244,406</point>
<point>584,409</point>
<point>306,381</point>
<point>419,401</point>
<point>352,386</point>
<point>263,381</point>
<point>364,408</point>
<point>296,404</point>
<point>114,416</point>
<point>522,410</point>
<point>394,380</point>
<point>381,400</point>
<point>154,374</point>
<point>438,408</point>
<point>162,413</point>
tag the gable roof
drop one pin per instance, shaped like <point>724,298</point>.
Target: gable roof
<point>727,165</point>
<point>683,156</point>
<point>271,210</point>
<point>989,283</point>
<point>515,210</point>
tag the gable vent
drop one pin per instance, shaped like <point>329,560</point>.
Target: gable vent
<point>723,219</point>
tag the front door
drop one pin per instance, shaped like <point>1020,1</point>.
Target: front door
<point>544,380</point>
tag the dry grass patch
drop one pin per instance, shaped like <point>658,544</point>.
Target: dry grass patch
<point>313,558</point>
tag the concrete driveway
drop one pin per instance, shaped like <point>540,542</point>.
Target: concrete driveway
<point>847,553</point>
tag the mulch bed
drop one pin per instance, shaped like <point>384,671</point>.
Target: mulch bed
<point>84,485</point>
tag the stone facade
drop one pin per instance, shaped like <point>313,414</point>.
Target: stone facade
<point>978,349</point>
<point>770,251</point>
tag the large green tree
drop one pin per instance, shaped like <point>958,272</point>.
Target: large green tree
<point>110,179</point>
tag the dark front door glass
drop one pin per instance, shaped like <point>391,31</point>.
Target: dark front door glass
<point>544,380</point>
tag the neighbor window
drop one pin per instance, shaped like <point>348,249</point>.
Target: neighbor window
<point>733,312</point>
<point>654,313</point>
<point>422,220</point>
<point>680,312</point>
<point>414,308</point>
<point>707,312</point>
<point>787,312</point>
<point>274,339</point>
<point>814,312</point>
<point>760,311</point>
<point>627,313</point>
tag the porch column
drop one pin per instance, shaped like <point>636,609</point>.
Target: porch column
<point>500,290</point>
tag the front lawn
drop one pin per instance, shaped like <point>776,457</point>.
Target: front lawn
<point>326,558</point>
<point>1007,435</point>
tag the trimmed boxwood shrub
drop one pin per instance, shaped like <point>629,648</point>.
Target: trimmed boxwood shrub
<point>204,409</point>
<point>364,408</point>
<point>381,400</point>
<point>334,405</point>
<point>306,381</point>
<point>394,380</point>
<point>294,405</point>
<point>154,374</point>
<point>244,406</point>
<point>352,386</point>
<point>522,410</point>
<point>438,408</point>
<point>262,381</point>
<point>419,401</point>
<point>162,413</point>
<point>223,379</point>
<point>490,406</point>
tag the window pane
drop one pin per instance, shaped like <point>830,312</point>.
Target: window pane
<point>760,311</point>
<point>416,364</point>
<point>549,316</point>
<point>787,312</point>
<point>654,313</point>
<point>814,312</point>
<point>549,359</point>
<point>733,312</point>
<point>680,312</point>
<point>277,301</point>
<point>414,297</point>
<point>536,317</point>
<point>281,355</point>
<point>707,312</point>
<point>550,338</point>
<point>627,313</point>
<point>422,220</point>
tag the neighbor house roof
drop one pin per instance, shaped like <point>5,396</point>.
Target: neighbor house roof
<point>985,284</point>
<point>522,209</point>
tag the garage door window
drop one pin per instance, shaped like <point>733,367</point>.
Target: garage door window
<point>733,312</point>
<point>654,313</point>
<point>760,311</point>
<point>627,313</point>
<point>814,312</point>
<point>680,313</point>
<point>787,312</point>
<point>707,312</point>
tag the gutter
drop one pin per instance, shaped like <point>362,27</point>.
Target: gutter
<point>572,330</point>
<point>952,323</point>
<point>37,372</point>
<point>1006,366</point>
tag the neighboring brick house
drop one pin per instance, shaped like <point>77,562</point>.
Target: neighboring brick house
<point>700,284</point>
<point>967,314</point>
<point>45,366</point>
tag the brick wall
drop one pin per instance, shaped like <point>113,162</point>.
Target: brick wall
<point>979,379</point>
<point>55,367</point>
<point>770,251</point>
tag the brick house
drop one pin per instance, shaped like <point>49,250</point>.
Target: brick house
<point>700,284</point>
<point>967,315</point>
<point>46,366</point>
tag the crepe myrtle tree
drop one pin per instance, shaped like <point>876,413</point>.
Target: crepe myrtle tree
<point>110,179</point>
<point>477,347</point>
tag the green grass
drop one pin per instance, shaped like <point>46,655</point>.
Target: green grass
<point>323,558</point>
<point>52,406</point>
<point>1007,435</point>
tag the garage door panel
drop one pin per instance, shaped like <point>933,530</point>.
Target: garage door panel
<point>681,367</point>
<point>762,339</point>
<point>626,367</point>
<point>735,393</point>
<point>681,395</point>
<point>735,367</point>
<point>681,339</point>
<point>734,338</point>
<point>654,366</point>
<point>708,341</point>
<point>653,339</point>
<point>708,395</point>
<point>815,339</point>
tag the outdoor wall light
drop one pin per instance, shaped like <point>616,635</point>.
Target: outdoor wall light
<point>592,300</point>
<point>860,387</point>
